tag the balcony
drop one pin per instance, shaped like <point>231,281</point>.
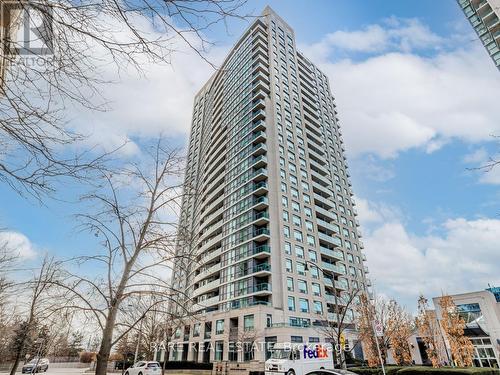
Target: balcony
<point>333,241</point>
<point>212,285</point>
<point>264,268</point>
<point>260,136</point>
<point>325,201</point>
<point>336,254</point>
<point>259,94</point>
<point>321,211</point>
<point>207,272</point>
<point>258,104</point>
<point>320,168</point>
<point>260,202</point>
<point>209,301</point>
<point>259,114</point>
<point>260,188</point>
<point>327,226</point>
<point>207,257</point>
<point>259,175</point>
<point>261,218</point>
<point>323,191</point>
<point>332,268</point>
<point>323,180</point>
<point>263,288</point>
<point>330,298</point>
<point>341,284</point>
<point>344,319</point>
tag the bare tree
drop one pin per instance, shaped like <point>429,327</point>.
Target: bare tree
<point>80,39</point>
<point>134,213</point>
<point>335,331</point>
<point>37,308</point>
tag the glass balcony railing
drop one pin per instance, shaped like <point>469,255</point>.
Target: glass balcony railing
<point>262,287</point>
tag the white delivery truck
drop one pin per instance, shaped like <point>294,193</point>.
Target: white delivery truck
<point>299,359</point>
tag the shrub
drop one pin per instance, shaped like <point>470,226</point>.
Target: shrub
<point>389,370</point>
<point>186,365</point>
<point>87,357</point>
<point>423,370</point>
<point>418,370</point>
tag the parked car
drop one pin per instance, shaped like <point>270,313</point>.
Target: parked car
<point>144,368</point>
<point>36,365</point>
<point>331,372</point>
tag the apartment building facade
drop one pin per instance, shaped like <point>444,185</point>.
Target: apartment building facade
<point>270,208</point>
<point>484,16</point>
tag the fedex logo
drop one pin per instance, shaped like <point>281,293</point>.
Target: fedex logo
<point>318,352</point>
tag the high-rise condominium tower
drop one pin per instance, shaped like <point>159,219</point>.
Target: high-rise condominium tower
<point>276,237</point>
<point>484,16</point>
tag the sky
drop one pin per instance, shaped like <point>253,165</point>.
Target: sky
<point>418,101</point>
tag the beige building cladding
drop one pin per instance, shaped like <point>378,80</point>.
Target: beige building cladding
<point>276,234</point>
<point>484,16</point>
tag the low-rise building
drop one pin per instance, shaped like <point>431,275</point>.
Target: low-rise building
<point>481,312</point>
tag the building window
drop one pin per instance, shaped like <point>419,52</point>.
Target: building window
<point>318,307</point>
<point>289,284</point>
<point>304,305</point>
<point>296,221</point>
<point>301,269</point>
<point>248,352</point>
<point>269,320</point>
<point>286,231</point>
<point>313,256</point>
<point>219,327</point>
<point>313,339</point>
<point>219,348</point>
<point>248,322</point>
<point>196,330</point>
<point>291,303</point>
<point>302,284</point>
<point>299,252</point>
<point>288,248</point>
<point>289,265</point>
<point>310,240</point>
<point>316,289</point>
<point>297,339</point>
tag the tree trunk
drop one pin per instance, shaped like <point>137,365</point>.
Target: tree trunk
<point>16,361</point>
<point>20,349</point>
<point>105,348</point>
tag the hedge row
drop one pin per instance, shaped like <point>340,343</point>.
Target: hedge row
<point>186,365</point>
<point>424,370</point>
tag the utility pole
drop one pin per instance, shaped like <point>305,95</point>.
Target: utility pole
<point>138,342</point>
<point>378,332</point>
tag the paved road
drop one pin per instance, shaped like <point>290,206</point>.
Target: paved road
<point>58,371</point>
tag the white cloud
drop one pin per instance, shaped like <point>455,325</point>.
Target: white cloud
<point>376,212</point>
<point>17,245</point>
<point>397,101</point>
<point>395,33</point>
<point>464,257</point>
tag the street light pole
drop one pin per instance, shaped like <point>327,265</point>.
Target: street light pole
<point>332,276</point>
<point>138,342</point>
